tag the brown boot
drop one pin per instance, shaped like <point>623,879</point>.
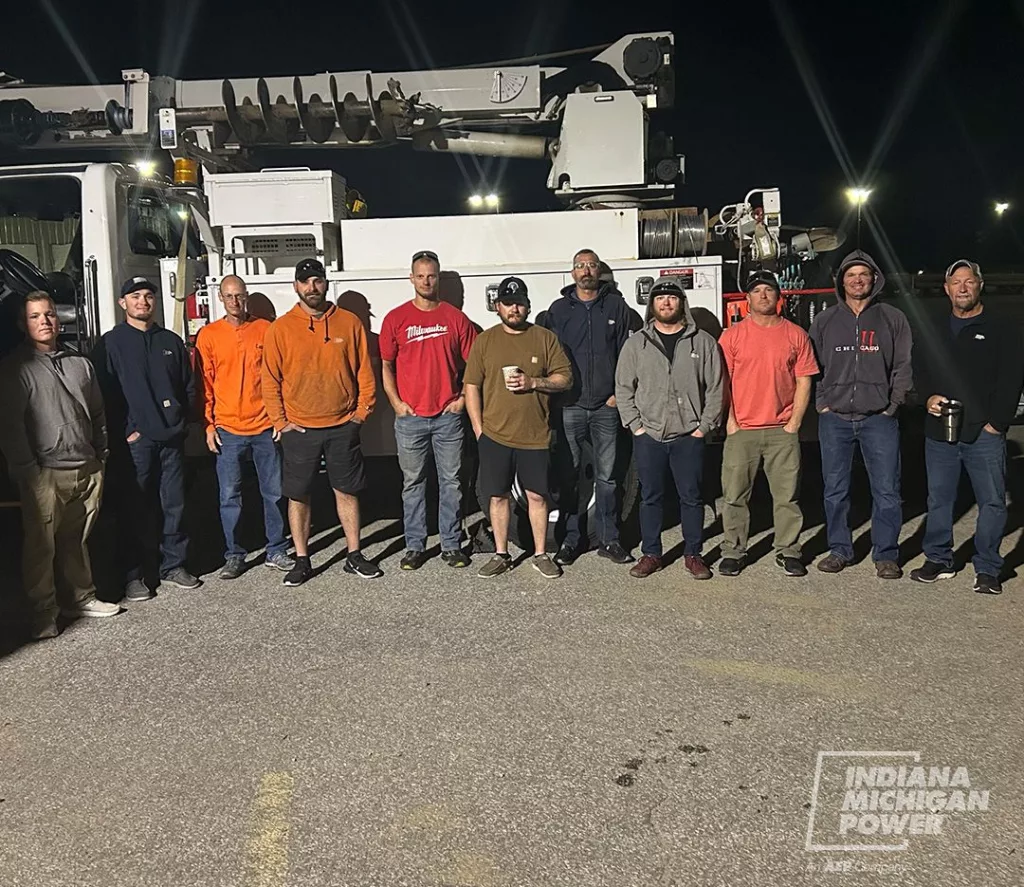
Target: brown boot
<point>645,566</point>
<point>696,567</point>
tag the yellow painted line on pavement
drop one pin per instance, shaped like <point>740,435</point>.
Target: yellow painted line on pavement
<point>267,848</point>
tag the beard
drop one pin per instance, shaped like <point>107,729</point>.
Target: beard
<point>517,325</point>
<point>670,318</point>
<point>587,282</point>
<point>314,300</point>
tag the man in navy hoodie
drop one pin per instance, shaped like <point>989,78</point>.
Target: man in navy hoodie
<point>591,320</point>
<point>864,349</point>
<point>976,357</point>
<point>145,374</point>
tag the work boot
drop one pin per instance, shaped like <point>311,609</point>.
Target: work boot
<point>888,570</point>
<point>832,563</point>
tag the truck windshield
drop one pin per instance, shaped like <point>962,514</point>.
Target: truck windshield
<point>156,223</point>
<point>40,219</point>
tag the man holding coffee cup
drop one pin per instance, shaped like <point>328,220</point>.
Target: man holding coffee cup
<point>513,369</point>
<point>972,370</point>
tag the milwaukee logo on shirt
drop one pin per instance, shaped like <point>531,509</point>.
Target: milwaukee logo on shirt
<point>415,333</point>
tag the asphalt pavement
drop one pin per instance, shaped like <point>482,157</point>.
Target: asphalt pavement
<point>433,728</point>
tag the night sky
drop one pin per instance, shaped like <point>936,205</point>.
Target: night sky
<point>924,101</point>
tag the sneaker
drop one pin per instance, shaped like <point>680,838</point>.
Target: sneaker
<point>359,566</point>
<point>544,565</point>
<point>791,566</point>
<point>615,553</point>
<point>986,583</point>
<point>456,558</point>
<point>413,560</point>
<point>498,564</point>
<point>730,566</point>
<point>888,570</point>
<point>300,573</point>
<point>566,556</point>
<point>233,568</point>
<point>180,578</point>
<point>280,561</point>
<point>91,607</point>
<point>832,563</point>
<point>645,566</point>
<point>44,630</point>
<point>137,590</point>
<point>932,571</point>
<point>696,567</point>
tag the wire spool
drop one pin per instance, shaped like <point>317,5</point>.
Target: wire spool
<point>691,234</point>
<point>657,228</point>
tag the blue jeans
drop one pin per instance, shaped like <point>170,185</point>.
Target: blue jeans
<point>879,439</point>
<point>603,426</point>
<point>267,459</point>
<point>416,437</point>
<point>159,470</point>
<point>985,461</point>
<point>684,457</point>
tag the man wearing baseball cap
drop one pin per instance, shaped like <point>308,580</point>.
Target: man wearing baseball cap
<point>668,388</point>
<point>770,363</point>
<point>971,368</point>
<point>319,388</point>
<point>145,373</point>
<point>512,371</point>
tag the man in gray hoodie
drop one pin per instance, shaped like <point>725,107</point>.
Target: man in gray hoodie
<point>864,348</point>
<point>55,441</point>
<point>668,389</point>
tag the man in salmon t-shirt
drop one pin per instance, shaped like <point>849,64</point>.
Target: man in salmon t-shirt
<point>770,363</point>
<point>424,346</point>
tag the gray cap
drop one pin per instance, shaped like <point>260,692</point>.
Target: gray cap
<point>964,263</point>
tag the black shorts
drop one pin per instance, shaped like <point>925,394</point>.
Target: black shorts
<point>499,464</point>
<point>341,449</point>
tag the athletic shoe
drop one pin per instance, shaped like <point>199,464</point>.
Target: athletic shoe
<point>615,553</point>
<point>645,566</point>
<point>413,560</point>
<point>91,607</point>
<point>566,556</point>
<point>986,583</point>
<point>300,573</point>
<point>696,567</point>
<point>44,630</point>
<point>137,590</point>
<point>730,566</point>
<point>359,566</point>
<point>179,577</point>
<point>233,568</point>
<point>543,564</point>
<point>932,571</point>
<point>280,561</point>
<point>498,564</point>
<point>457,558</point>
<point>791,566</point>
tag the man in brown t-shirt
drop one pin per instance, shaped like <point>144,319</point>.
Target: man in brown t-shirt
<point>512,370</point>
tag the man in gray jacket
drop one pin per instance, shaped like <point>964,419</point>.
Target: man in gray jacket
<point>55,441</point>
<point>864,348</point>
<point>668,389</point>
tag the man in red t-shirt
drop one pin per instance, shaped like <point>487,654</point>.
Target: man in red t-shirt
<point>424,345</point>
<point>770,363</point>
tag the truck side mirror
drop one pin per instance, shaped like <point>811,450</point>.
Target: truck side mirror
<point>644,285</point>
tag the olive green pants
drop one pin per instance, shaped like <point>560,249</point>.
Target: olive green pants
<point>745,452</point>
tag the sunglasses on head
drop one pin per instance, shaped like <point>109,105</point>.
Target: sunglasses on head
<point>425,254</point>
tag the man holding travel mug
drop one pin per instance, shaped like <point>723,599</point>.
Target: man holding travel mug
<point>972,372</point>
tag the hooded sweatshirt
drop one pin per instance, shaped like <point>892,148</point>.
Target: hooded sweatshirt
<point>316,370</point>
<point>592,334</point>
<point>146,379</point>
<point>865,358</point>
<point>668,399</point>
<point>53,412</point>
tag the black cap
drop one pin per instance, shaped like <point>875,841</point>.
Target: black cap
<point>668,284</point>
<point>513,291</point>
<point>308,268</point>
<point>755,278</point>
<point>133,284</point>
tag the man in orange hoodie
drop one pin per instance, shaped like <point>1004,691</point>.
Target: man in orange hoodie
<point>229,370</point>
<point>319,388</point>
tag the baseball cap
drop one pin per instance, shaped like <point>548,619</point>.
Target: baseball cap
<point>308,268</point>
<point>755,278</point>
<point>513,291</point>
<point>964,263</point>
<point>134,284</point>
<point>668,286</point>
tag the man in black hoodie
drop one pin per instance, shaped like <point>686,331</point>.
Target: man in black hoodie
<point>145,374</point>
<point>975,357</point>
<point>591,320</point>
<point>864,349</point>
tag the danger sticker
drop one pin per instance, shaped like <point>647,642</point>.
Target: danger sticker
<point>683,275</point>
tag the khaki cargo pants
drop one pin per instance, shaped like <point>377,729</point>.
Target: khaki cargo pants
<point>744,453</point>
<point>58,510</point>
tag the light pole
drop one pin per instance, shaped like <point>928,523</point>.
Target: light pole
<point>858,197</point>
<point>1001,208</point>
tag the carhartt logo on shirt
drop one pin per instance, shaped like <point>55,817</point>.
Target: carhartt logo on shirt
<point>338,341</point>
<point>168,353</point>
<point>979,336</point>
<point>167,403</point>
<point>611,321</point>
<point>534,360</point>
<point>414,333</point>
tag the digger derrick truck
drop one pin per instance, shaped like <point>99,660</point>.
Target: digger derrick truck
<point>77,228</point>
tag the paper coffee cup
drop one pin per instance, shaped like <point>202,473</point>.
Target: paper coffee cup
<point>509,373</point>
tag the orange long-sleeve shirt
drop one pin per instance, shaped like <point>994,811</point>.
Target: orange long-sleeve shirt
<point>316,370</point>
<point>230,376</point>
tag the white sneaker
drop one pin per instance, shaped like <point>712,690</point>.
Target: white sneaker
<point>92,607</point>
